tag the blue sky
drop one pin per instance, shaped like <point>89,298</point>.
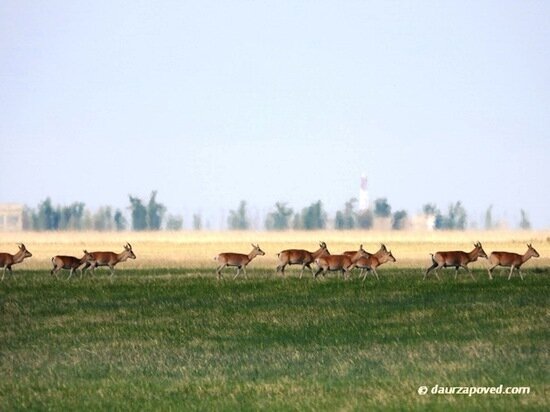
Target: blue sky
<point>211,102</point>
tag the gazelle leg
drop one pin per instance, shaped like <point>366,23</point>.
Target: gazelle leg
<point>429,270</point>
<point>238,271</point>
<point>317,273</point>
<point>219,271</point>
<point>490,270</point>
<point>469,271</point>
<point>376,273</point>
<point>70,273</point>
<point>511,270</point>
<point>519,271</point>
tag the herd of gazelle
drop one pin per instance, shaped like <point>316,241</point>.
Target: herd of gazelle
<point>370,261</point>
<point>321,257</point>
<point>89,260</point>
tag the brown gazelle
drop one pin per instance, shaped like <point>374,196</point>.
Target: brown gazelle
<point>456,259</point>
<point>109,258</point>
<point>7,259</point>
<point>372,261</point>
<point>513,260</point>
<point>239,260</point>
<point>343,263</point>
<point>300,257</point>
<point>70,262</point>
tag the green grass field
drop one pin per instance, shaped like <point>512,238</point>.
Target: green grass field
<point>177,339</point>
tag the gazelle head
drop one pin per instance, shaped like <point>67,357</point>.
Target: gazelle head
<point>360,253</point>
<point>257,251</point>
<point>88,257</point>
<point>390,257</point>
<point>24,250</point>
<point>128,249</point>
<point>531,251</point>
<point>480,251</point>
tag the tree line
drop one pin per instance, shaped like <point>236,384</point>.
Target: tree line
<point>151,215</point>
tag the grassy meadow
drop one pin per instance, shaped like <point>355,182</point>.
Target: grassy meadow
<point>164,334</point>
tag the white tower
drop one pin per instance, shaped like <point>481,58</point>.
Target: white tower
<point>363,194</point>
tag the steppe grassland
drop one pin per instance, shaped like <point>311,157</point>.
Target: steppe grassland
<point>196,249</point>
<point>167,339</point>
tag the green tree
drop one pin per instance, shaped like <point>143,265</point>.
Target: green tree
<point>155,212</point>
<point>365,219</point>
<point>238,219</point>
<point>280,218</point>
<point>174,222</point>
<point>120,220</point>
<point>524,222</point>
<point>399,219</point>
<point>346,219</point>
<point>382,208</point>
<point>430,209</point>
<point>456,219</point>
<point>70,217</point>
<point>47,217</point>
<point>312,217</point>
<point>103,219</point>
<point>139,214</point>
<point>457,216</point>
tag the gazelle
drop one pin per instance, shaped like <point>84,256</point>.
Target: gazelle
<point>300,257</point>
<point>109,259</point>
<point>70,262</point>
<point>7,259</point>
<point>456,259</point>
<point>339,262</point>
<point>372,261</point>
<point>513,260</point>
<point>239,260</point>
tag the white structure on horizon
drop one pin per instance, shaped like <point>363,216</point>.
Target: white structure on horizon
<point>363,194</point>
<point>11,217</point>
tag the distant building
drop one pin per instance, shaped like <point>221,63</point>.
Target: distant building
<point>363,194</point>
<point>11,217</point>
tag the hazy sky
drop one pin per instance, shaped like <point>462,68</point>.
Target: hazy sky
<point>211,102</point>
